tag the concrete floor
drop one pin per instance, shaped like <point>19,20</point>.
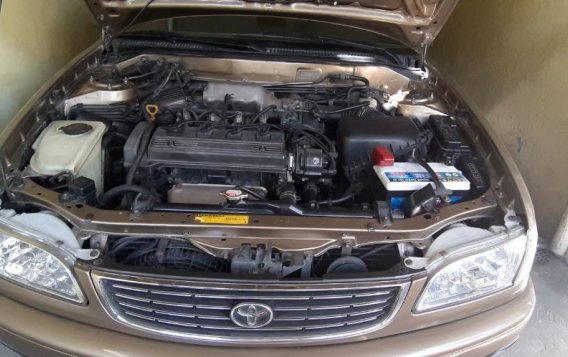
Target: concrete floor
<point>547,333</point>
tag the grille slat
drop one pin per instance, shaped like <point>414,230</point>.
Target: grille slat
<point>284,301</point>
<point>277,325</point>
<point>203,311</point>
<point>208,314</point>
<point>172,304</point>
<point>344,317</point>
<point>316,315</point>
<point>290,294</point>
<point>291,315</point>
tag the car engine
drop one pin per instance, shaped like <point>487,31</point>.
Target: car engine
<point>153,136</point>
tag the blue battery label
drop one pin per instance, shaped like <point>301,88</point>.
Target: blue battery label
<point>423,176</point>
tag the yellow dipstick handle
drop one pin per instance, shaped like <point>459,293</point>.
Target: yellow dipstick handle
<point>152,110</point>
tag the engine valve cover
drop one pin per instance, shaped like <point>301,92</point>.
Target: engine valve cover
<point>217,148</point>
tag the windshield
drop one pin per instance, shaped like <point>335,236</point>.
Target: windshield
<point>268,28</point>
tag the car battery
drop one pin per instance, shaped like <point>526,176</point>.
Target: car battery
<point>403,178</point>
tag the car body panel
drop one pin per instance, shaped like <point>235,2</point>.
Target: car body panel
<point>34,332</point>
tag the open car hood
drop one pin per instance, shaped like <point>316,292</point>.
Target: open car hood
<point>414,23</point>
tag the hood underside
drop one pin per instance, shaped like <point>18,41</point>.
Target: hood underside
<point>414,23</point>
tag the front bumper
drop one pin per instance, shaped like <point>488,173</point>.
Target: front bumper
<point>33,332</point>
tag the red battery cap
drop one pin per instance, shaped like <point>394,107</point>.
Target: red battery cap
<point>382,156</point>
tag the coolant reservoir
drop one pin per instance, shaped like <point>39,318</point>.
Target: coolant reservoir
<point>74,147</point>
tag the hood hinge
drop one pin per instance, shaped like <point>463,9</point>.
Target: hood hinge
<point>423,53</point>
<point>424,44</point>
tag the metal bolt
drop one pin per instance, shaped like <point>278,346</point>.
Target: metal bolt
<point>348,239</point>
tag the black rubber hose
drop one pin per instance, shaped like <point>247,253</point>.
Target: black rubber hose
<point>164,83</point>
<point>262,112</point>
<point>226,104</point>
<point>354,88</point>
<point>337,201</point>
<point>251,192</point>
<point>357,106</point>
<point>202,115</point>
<point>106,197</point>
<point>140,154</point>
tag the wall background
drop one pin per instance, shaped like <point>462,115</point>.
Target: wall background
<point>36,38</point>
<point>511,58</point>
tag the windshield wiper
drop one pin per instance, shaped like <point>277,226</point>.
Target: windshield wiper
<point>282,45</point>
<point>325,40</point>
<point>166,39</point>
<point>339,42</point>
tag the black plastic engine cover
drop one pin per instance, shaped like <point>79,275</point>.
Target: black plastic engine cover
<point>360,135</point>
<point>449,144</point>
<point>218,149</point>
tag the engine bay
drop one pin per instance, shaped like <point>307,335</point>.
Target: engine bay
<point>151,136</point>
<point>331,147</point>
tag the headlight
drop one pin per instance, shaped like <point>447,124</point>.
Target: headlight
<point>31,265</point>
<point>474,276</point>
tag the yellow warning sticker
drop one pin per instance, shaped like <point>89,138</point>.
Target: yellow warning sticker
<point>221,219</point>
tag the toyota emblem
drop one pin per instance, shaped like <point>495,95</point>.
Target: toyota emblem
<point>252,315</point>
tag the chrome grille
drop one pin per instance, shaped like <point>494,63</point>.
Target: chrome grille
<point>203,312</point>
